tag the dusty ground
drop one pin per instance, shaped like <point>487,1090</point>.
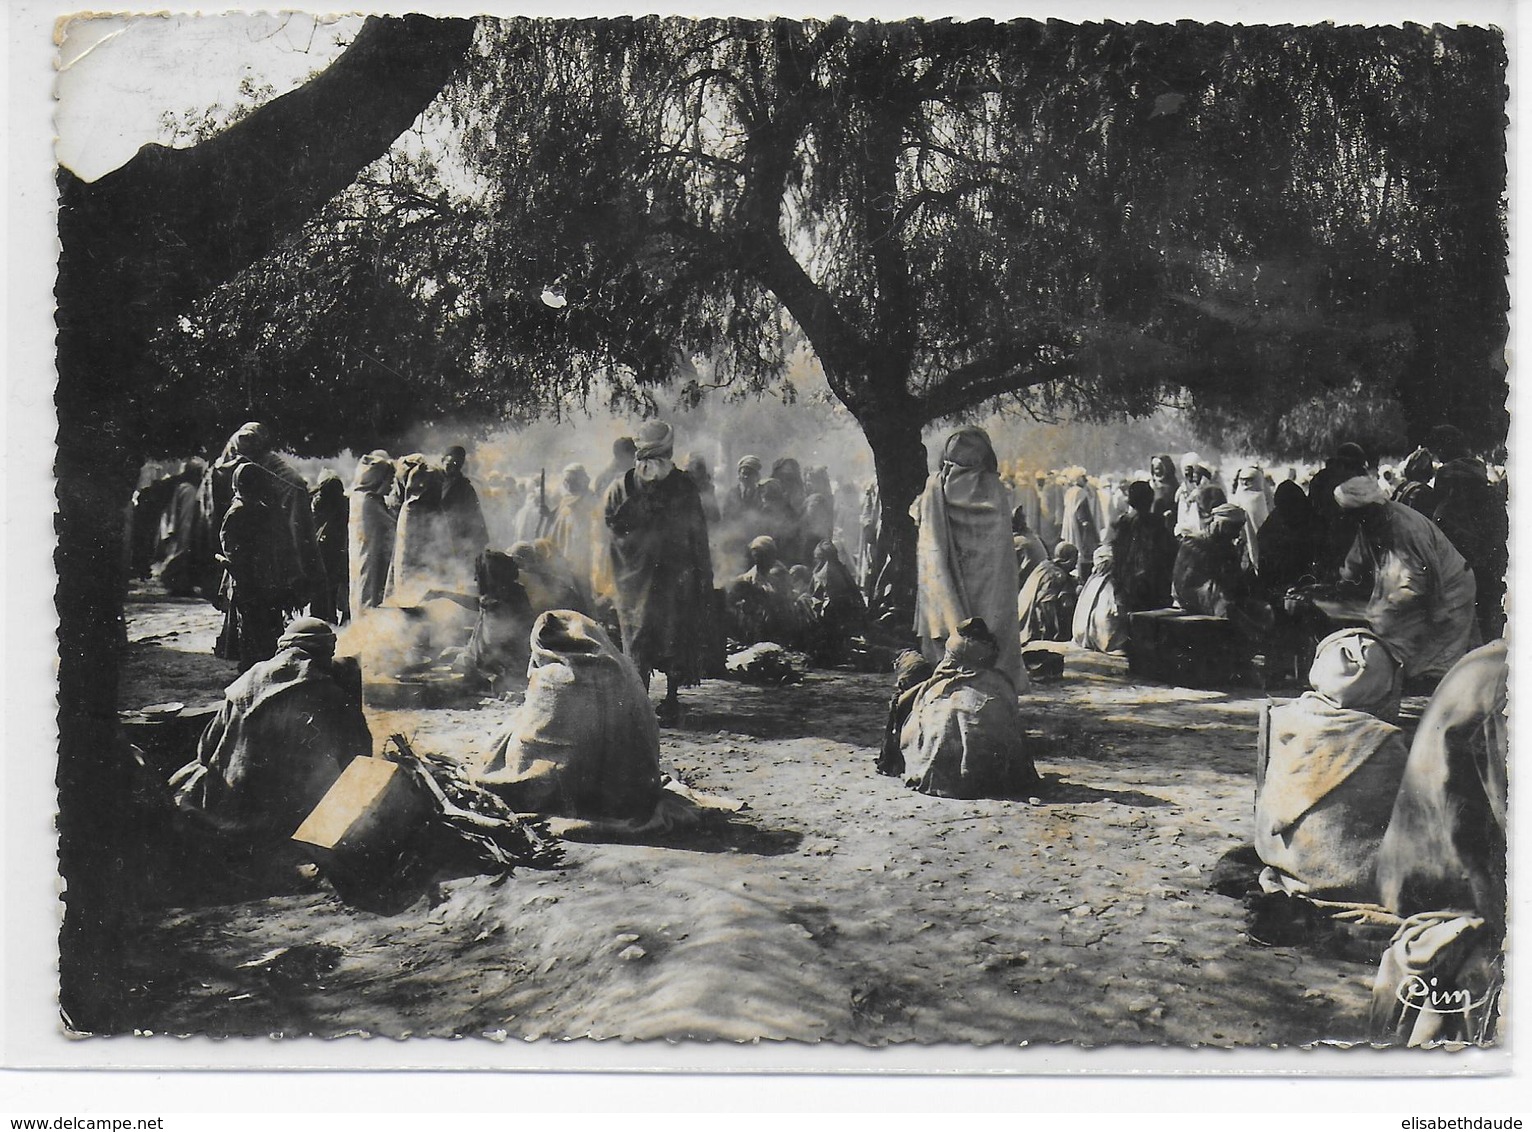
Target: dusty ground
<point>840,906</point>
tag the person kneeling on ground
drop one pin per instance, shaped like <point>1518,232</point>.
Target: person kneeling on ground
<point>1213,576</point>
<point>287,728</point>
<point>963,737</point>
<point>498,647</point>
<point>585,742</point>
<point>762,605</point>
<point>1098,622</point>
<point>836,606</point>
<point>1329,772</point>
<point>1045,606</point>
<point>911,671</point>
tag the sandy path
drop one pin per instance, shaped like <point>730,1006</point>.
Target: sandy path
<point>840,907</point>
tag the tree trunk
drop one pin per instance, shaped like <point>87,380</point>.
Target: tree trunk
<point>899,462</point>
<point>137,247</point>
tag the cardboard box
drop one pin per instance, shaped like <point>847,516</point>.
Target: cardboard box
<point>368,818</point>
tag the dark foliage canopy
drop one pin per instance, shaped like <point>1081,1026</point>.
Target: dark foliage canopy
<point>1295,233</point>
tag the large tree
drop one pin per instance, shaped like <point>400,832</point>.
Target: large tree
<point>1297,232</point>
<point>139,246</point>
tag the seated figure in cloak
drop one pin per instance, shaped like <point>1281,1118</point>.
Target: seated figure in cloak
<point>837,609</point>
<point>286,730</point>
<point>497,650</point>
<point>761,601</point>
<point>964,737</point>
<point>911,671</point>
<point>1213,577</point>
<point>1029,548</point>
<point>1045,607</point>
<point>547,586</point>
<point>1329,768</point>
<point>1442,864</point>
<point>585,742</point>
<point>1099,624</point>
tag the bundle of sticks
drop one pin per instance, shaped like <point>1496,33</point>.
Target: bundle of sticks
<point>493,836</point>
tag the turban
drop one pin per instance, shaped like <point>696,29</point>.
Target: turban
<point>1354,669</point>
<point>456,450</point>
<point>525,555</point>
<point>309,634</point>
<point>1229,513</point>
<point>764,545</point>
<point>655,440</point>
<point>1359,491</point>
<point>1066,554</point>
<point>749,463</point>
<point>576,479</point>
<point>1191,460</point>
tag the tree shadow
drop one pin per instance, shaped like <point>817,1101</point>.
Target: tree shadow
<point>1054,791</point>
<point>853,715</point>
<point>721,834</point>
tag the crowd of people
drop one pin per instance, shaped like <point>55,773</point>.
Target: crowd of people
<point>1419,551</point>
<point>649,568</point>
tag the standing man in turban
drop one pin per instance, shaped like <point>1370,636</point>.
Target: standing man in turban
<point>661,565</point>
<point>964,559</point>
<point>1423,592</point>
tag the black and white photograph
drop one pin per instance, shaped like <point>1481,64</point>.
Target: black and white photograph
<point>872,533</point>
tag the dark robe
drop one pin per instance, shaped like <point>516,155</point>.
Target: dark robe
<point>146,514</point>
<point>461,525</point>
<point>1212,578</point>
<point>1475,520</point>
<point>289,495</point>
<point>663,572</point>
<point>1143,556</point>
<point>500,645</point>
<point>180,537</point>
<point>255,587</point>
<point>1287,541</point>
<point>331,522</point>
<point>1334,530</point>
